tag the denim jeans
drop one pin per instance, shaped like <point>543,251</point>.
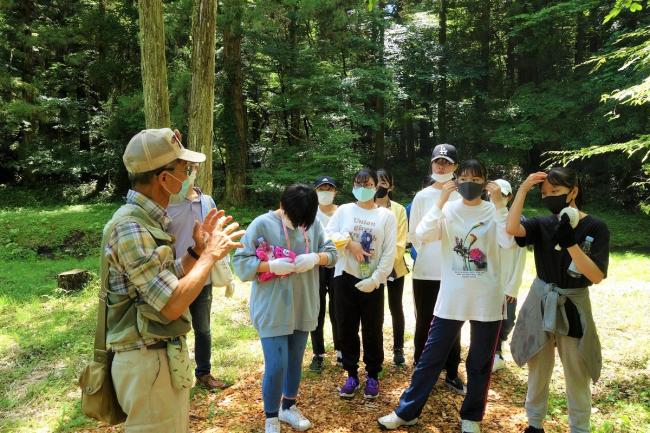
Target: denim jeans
<point>200,310</point>
<point>282,368</point>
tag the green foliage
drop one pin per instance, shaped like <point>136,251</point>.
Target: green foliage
<point>620,5</point>
<point>328,154</point>
<point>328,85</point>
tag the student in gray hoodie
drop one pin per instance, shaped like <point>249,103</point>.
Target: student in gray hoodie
<point>284,300</point>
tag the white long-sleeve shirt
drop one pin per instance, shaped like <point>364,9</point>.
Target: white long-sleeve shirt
<point>513,261</point>
<point>471,240</point>
<point>377,226</point>
<point>427,264</point>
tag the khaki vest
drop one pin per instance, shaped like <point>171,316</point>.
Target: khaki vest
<point>131,320</point>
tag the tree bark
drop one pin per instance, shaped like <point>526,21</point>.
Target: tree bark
<point>379,138</point>
<point>234,125</point>
<point>154,64</point>
<point>201,110</point>
<point>73,280</point>
<point>442,91</point>
<point>294,112</point>
<point>580,46</point>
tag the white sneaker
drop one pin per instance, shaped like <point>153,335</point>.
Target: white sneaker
<point>499,363</point>
<point>470,426</point>
<point>392,421</point>
<point>272,425</point>
<point>294,418</point>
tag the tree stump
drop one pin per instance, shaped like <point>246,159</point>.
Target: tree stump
<point>73,280</point>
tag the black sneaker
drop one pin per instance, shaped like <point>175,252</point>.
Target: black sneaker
<point>398,357</point>
<point>316,363</point>
<point>531,429</point>
<point>456,385</point>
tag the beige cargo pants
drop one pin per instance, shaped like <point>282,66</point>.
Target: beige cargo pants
<point>144,390</point>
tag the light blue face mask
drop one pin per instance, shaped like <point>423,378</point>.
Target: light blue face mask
<point>364,194</point>
<point>182,194</point>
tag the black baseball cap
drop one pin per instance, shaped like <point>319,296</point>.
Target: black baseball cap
<point>323,180</point>
<point>445,151</point>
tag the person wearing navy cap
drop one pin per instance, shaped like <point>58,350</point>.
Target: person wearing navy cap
<point>426,268</point>
<point>326,190</point>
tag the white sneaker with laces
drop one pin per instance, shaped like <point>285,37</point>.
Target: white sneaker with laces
<point>392,421</point>
<point>470,426</point>
<point>272,425</point>
<point>499,363</point>
<point>294,418</point>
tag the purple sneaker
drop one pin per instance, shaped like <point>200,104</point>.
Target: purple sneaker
<point>350,388</point>
<point>372,388</point>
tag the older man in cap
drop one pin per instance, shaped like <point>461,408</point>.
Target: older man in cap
<point>149,290</point>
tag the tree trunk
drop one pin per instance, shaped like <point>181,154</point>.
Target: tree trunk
<point>73,280</point>
<point>201,110</point>
<point>294,112</point>
<point>234,111</point>
<point>379,138</point>
<point>154,64</point>
<point>483,83</point>
<point>378,134</point>
<point>581,38</point>
<point>484,39</point>
<point>442,100</point>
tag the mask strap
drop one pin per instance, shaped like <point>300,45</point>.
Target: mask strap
<point>304,234</point>
<point>286,235</point>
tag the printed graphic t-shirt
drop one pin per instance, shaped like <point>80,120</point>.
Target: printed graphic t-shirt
<point>471,241</point>
<point>375,229</point>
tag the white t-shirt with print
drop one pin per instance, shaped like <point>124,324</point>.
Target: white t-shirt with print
<point>375,229</point>
<point>471,241</point>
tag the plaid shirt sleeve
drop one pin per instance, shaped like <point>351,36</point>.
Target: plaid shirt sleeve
<point>149,267</point>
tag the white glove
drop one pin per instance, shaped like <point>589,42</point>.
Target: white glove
<point>306,262</point>
<point>367,285</point>
<point>282,266</point>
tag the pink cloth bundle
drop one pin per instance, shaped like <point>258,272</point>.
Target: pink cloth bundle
<point>266,252</point>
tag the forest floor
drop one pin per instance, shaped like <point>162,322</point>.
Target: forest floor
<point>46,338</point>
<point>626,379</point>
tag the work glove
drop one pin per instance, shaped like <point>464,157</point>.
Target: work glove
<point>283,266</point>
<point>368,285</point>
<point>565,234</point>
<point>306,262</point>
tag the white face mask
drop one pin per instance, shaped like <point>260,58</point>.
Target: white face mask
<point>442,178</point>
<point>325,197</point>
<point>188,183</point>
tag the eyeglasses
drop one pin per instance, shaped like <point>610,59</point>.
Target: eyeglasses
<point>187,170</point>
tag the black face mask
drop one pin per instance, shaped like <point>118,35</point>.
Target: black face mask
<point>381,192</point>
<point>555,203</point>
<point>470,190</point>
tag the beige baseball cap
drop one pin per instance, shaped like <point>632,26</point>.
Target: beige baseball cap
<point>150,149</point>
